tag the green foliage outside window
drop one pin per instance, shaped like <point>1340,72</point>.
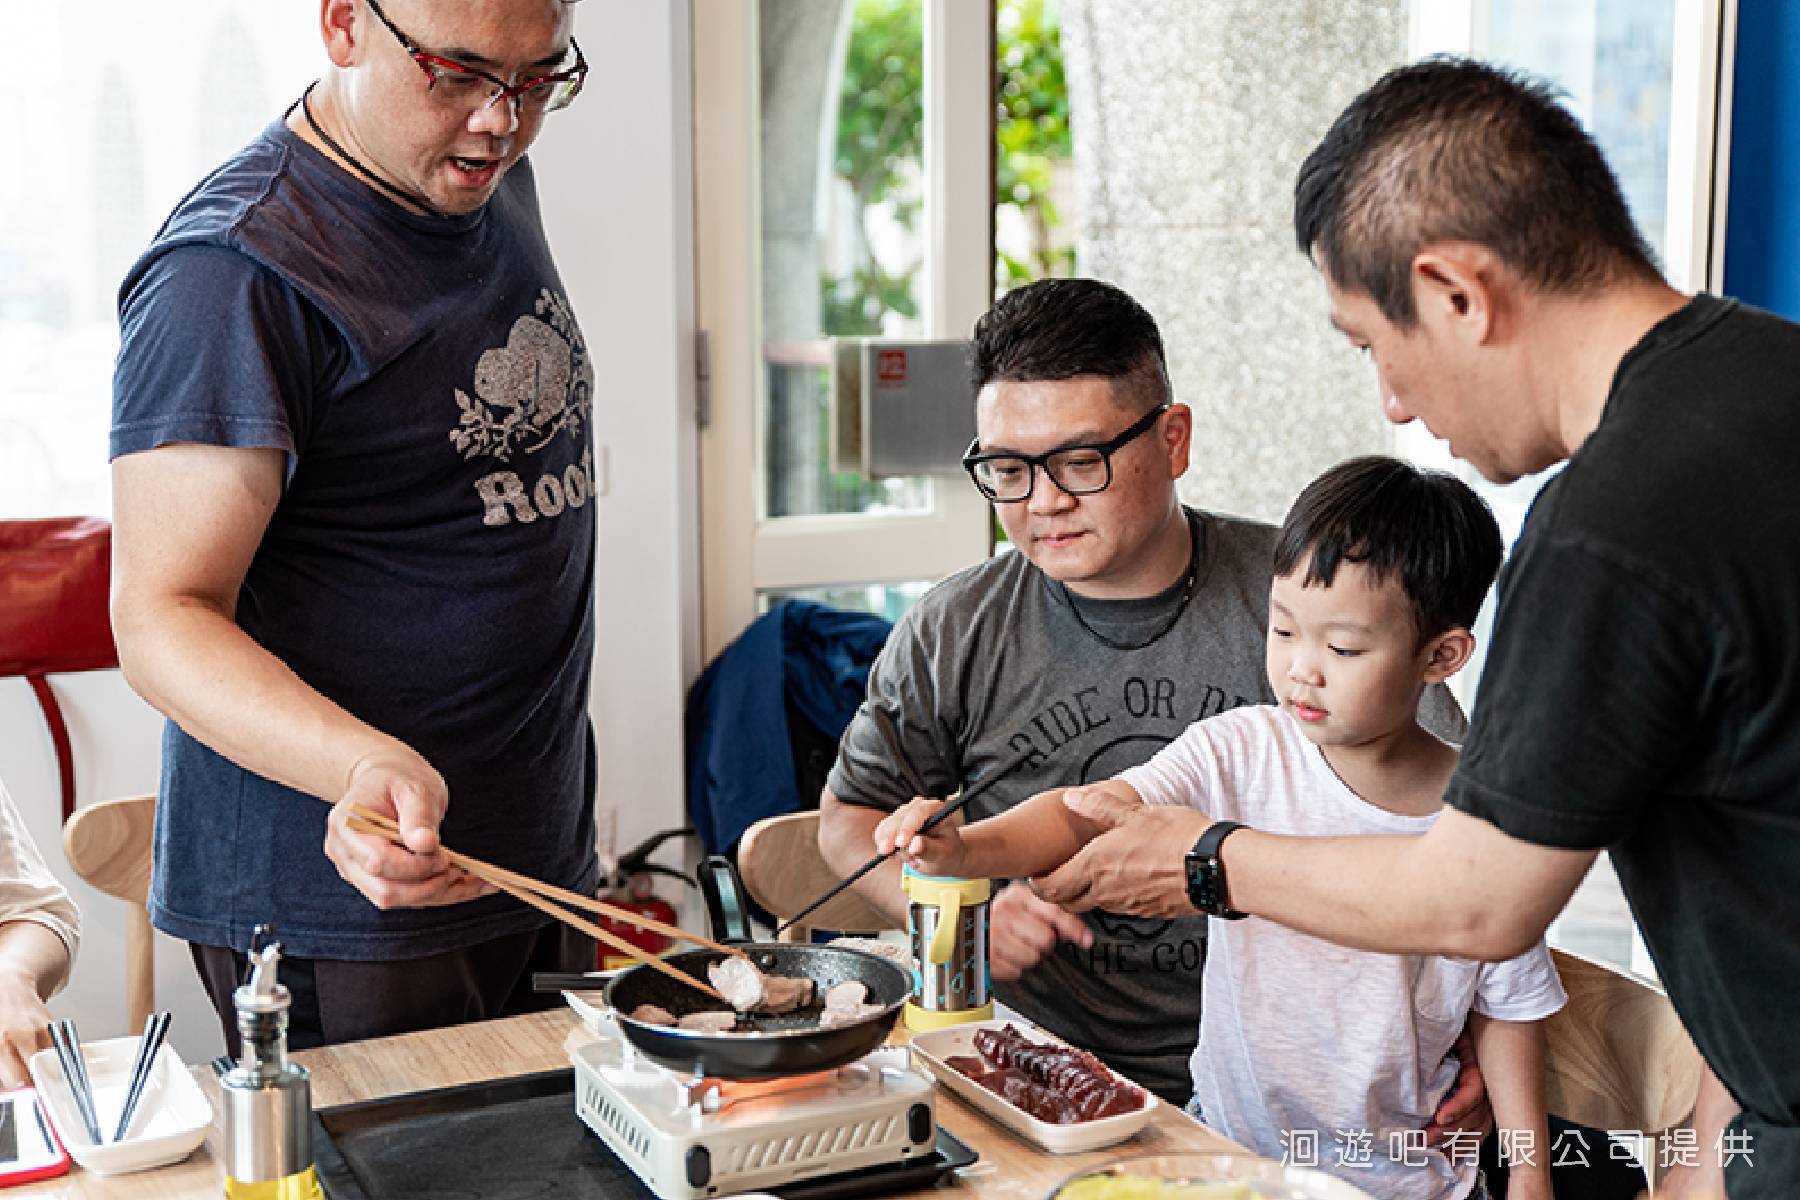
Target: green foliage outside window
<point>880,133</point>
<point>1031,129</point>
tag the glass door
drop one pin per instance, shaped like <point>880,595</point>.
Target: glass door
<point>842,183</point>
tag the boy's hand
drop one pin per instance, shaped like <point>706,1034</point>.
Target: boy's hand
<point>939,852</point>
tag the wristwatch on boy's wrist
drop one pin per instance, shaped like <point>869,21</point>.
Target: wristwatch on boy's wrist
<point>1206,873</point>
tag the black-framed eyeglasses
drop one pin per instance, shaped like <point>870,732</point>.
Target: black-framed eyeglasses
<point>1077,470</point>
<point>465,87</point>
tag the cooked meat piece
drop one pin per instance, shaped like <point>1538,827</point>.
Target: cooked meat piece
<point>749,990</point>
<point>711,1021</point>
<point>785,993</point>
<point>738,981</point>
<point>650,1014</point>
<point>847,994</point>
<point>846,1002</point>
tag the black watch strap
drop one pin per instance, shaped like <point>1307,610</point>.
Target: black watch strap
<point>1206,873</point>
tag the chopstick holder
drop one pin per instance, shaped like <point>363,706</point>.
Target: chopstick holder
<point>156,1028</point>
<point>68,1051</point>
<point>515,885</point>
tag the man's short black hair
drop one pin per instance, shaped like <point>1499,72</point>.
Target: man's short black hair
<point>1062,328</point>
<point>1427,529</point>
<point>1448,149</point>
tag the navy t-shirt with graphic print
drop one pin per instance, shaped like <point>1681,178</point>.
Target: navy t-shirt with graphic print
<point>430,564</point>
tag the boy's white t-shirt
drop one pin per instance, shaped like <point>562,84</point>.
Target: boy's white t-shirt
<point>1302,1039</point>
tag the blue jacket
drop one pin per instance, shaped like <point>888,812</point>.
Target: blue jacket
<point>740,763</point>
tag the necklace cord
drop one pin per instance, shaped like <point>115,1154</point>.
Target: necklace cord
<point>1189,583</point>
<point>392,189</point>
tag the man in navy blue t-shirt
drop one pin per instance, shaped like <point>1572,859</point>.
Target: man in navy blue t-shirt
<point>354,559</point>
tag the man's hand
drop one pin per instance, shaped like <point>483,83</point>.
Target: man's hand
<point>24,1023</point>
<point>1465,1108</point>
<point>406,788</point>
<point>1137,867</point>
<point>1023,930</point>
<point>937,852</point>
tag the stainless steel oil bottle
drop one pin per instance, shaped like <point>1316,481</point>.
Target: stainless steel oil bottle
<point>267,1100</point>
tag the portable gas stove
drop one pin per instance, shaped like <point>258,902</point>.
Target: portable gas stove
<point>689,1138</point>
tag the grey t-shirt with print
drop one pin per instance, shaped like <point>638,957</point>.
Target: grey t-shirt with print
<point>994,661</point>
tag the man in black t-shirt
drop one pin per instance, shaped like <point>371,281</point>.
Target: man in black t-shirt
<point>1643,687</point>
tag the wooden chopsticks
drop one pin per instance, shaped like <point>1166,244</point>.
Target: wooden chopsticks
<point>543,897</point>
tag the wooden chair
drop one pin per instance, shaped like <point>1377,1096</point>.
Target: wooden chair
<point>108,845</point>
<point>783,871</point>
<point>1619,1057</point>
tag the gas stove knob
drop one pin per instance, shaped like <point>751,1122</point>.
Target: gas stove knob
<point>918,1123</point>
<point>699,1166</point>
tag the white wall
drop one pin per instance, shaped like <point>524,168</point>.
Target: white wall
<point>615,175</point>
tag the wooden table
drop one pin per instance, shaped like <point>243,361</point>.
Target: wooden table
<point>1009,1169</point>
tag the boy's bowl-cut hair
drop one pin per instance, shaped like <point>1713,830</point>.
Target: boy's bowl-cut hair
<point>1426,529</point>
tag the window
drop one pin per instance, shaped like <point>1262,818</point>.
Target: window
<point>119,110</point>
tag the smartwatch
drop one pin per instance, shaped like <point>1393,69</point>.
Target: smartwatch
<point>1206,873</point>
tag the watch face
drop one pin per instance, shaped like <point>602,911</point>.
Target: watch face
<point>1204,892</point>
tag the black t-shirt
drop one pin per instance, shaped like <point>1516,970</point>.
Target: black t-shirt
<point>1643,689</point>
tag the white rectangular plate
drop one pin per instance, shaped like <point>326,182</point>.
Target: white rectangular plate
<point>172,1118</point>
<point>935,1047</point>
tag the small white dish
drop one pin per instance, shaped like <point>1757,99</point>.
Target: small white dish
<point>172,1118</point>
<point>938,1045</point>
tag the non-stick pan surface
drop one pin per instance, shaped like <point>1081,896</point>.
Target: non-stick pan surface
<point>763,1047</point>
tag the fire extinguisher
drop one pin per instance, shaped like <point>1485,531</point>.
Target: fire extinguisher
<point>632,886</point>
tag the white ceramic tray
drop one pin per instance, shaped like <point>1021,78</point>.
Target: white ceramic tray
<point>172,1117</point>
<point>933,1048</point>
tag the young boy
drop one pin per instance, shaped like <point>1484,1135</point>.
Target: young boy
<point>1380,569</point>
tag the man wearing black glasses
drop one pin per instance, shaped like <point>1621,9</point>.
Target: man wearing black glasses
<point>1122,617</point>
<point>354,562</point>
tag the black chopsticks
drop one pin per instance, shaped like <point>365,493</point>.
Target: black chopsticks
<point>969,793</point>
<point>156,1028</point>
<point>74,1067</point>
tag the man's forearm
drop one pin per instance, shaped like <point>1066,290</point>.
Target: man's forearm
<point>197,667</point>
<point>1462,889</point>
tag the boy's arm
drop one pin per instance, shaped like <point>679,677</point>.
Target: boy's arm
<point>1512,1058</point>
<point>1033,837</point>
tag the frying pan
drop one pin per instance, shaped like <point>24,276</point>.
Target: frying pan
<point>763,1047</point>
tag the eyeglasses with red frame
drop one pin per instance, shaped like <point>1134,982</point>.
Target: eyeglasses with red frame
<point>466,87</point>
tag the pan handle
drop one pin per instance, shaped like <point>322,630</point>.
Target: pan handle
<point>724,896</point>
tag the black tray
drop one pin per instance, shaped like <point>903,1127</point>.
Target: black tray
<point>514,1139</point>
